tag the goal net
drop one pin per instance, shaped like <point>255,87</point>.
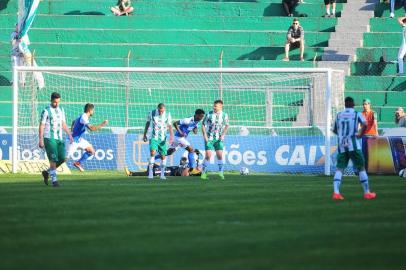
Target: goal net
<point>280,119</point>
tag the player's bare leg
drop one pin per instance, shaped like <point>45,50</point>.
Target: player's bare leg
<point>89,151</point>
<point>219,154</point>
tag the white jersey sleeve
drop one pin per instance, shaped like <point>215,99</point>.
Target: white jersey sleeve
<point>185,121</point>
<point>84,120</point>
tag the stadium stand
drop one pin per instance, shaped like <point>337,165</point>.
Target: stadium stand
<point>180,33</point>
<point>373,74</point>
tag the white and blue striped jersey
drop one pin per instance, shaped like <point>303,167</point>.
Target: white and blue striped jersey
<point>346,128</point>
<point>186,125</point>
<point>79,127</point>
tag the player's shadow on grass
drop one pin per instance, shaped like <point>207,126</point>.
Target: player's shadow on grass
<point>78,12</point>
<point>3,4</point>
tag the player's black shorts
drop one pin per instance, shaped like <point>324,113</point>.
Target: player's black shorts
<point>326,2</point>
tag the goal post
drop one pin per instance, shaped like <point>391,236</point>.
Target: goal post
<point>280,118</point>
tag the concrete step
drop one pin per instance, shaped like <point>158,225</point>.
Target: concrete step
<point>337,56</point>
<point>346,35</point>
<point>355,43</point>
<point>363,7</point>
<point>351,28</point>
<point>358,15</point>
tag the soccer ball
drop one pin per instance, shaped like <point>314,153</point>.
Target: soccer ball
<point>244,171</point>
<point>402,173</point>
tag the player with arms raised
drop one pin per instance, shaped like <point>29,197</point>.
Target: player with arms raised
<point>160,121</point>
<point>214,128</point>
<point>79,127</point>
<point>349,147</point>
<point>51,137</point>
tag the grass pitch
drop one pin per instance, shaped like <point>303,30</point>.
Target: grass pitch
<point>108,221</point>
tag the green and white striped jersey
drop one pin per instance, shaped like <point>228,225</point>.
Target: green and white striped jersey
<point>53,119</point>
<point>346,128</point>
<point>215,124</point>
<point>159,124</point>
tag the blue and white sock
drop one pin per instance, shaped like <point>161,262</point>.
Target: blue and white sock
<point>337,181</point>
<point>363,178</point>
<point>191,158</point>
<point>84,157</point>
<point>220,164</point>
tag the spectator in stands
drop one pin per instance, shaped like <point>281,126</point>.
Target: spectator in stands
<point>294,38</point>
<point>123,7</point>
<point>402,49</point>
<point>289,6</point>
<point>400,117</point>
<point>370,118</point>
<point>333,8</point>
<point>392,7</point>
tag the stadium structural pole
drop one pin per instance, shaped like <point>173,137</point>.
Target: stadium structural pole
<point>327,136</point>
<point>15,120</point>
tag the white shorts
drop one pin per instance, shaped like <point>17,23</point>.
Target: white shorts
<point>179,142</point>
<point>82,144</point>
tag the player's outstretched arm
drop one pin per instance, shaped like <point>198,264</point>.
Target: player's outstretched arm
<point>224,132</point>
<point>94,128</point>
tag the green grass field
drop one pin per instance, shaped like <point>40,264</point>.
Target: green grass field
<point>254,222</point>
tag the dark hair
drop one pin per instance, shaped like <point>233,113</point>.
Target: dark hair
<point>349,102</point>
<point>218,101</point>
<point>295,20</point>
<point>88,107</point>
<point>160,105</point>
<point>55,95</point>
<point>404,20</point>
<point>199,111</point>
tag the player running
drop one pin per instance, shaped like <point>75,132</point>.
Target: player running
<point>79,127</point>
<point>183,128</point>
<point>51,137</point>
<point>214,128</point>
<point>160,121</point>
<point>349,147</point>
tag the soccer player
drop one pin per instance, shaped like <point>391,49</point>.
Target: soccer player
<point>50,136</point>
<point>214,128</point>
<point>183,128</point>
<point>349,147</point>
<point>78,129</point>
<point>160,121</point>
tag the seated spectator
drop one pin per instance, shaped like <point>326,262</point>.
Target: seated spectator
<point>123,8</point>
<point>392,7</point>
<point>294,38</point>
<point>289,6</point>
<point>400,117</point>
<point>370,118</point>
<point>333,8</point>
